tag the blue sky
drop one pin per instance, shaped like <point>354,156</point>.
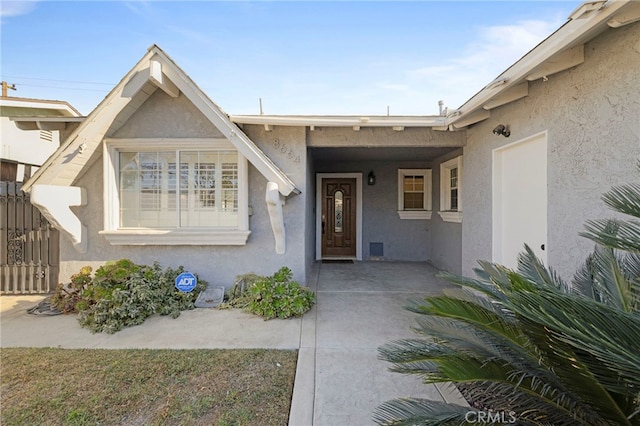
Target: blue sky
<point>302,57</point>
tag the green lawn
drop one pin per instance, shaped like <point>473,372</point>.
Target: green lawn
<point>145,387</point>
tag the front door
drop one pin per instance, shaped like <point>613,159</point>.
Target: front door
<point>338,217</point>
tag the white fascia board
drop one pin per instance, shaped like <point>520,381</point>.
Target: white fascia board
<point>41,104</point>
<point>232,132</point>
<point>340,121</point>
<point>569,35</point>
<point>90,132</point>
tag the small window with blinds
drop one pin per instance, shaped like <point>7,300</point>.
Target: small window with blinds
<point>201,192</point>
<point>414,193</point>
<point>450,190</point>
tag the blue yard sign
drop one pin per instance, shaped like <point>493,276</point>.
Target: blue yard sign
<point>186,282</point>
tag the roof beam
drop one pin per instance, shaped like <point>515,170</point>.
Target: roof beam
<point>629,15</point>
<point>44,123</point>
<point>586,9</point>
<point>559,62</point>
<point>472,118</point>
<point>159,79</point>
<point>512,94</point>
<point>135,83</point>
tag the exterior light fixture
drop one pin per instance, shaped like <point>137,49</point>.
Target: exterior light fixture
<point>503,130</point>
<point>371,178</point>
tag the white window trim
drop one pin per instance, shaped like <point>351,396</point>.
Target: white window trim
<point>414,214</point>
<point>445,212</point>
<point>178,236</point>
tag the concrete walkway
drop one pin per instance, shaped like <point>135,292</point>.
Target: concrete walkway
<point>339,380</point>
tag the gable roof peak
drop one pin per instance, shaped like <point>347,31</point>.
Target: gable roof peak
<point>157,69</point>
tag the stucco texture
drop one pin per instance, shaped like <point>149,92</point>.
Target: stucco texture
<point>446,237</point>
<point>402,239</point>
<point>591,114</point>
<point>219,265</point>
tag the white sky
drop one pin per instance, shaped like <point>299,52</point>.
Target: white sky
<point>302,57</point>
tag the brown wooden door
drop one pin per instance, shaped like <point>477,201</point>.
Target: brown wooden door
<point>338,217</point>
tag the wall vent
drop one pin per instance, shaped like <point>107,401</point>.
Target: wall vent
<point>46,135</point>
<point>376,249</point>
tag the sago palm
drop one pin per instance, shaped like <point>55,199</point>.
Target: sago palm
<point>524,342</point>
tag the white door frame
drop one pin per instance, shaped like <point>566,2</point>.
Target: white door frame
<point>497,249</point>
<point>319,178</point>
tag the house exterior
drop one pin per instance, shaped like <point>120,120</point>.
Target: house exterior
<point>28,245</point>
<point>158,172</point>
<point>25,148</point>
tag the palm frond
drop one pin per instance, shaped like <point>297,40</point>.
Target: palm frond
<point>625,237</point>
<point>584,281</point>
<point>487,317</point>
<point>524,341</point>
<point>414,412</point>
<point>532,268</point>
<point>587,325</point>
<point>605,278</point>
<point>484,287</point>
<point>624,199</point>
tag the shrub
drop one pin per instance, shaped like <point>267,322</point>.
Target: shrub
<point>122,294</point>
<point>527,344</point>
<point>277,296</point>
<point>69,298</point>
<point>238,295</point>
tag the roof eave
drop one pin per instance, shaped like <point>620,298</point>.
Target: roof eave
<point>340,121</point>
<point>573,33</point>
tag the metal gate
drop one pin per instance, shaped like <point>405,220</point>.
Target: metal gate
<point>29,246</point>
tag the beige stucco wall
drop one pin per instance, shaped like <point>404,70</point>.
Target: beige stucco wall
<point>162,116</point>
<point>592,116</point>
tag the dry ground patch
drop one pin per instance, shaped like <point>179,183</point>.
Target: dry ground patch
<point>145,387</point>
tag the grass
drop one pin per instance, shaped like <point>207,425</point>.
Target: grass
<point>145,387</point>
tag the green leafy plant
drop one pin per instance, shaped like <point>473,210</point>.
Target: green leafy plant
<point>69,298</point>
<point>526,343</point>
<point>122,294</point>
<point>277,296</point>
<point>238,295</point>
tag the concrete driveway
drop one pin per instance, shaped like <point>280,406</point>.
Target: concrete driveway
<point>339,380</point>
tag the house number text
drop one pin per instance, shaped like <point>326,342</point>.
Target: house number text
<point>287,150</point>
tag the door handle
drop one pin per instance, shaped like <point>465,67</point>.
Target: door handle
<point>322,227</point>
<point>542,247</point>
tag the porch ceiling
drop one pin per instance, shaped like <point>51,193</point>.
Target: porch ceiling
<point>378,154</point>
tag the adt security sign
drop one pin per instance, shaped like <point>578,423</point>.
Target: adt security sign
<point>186,282</point>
